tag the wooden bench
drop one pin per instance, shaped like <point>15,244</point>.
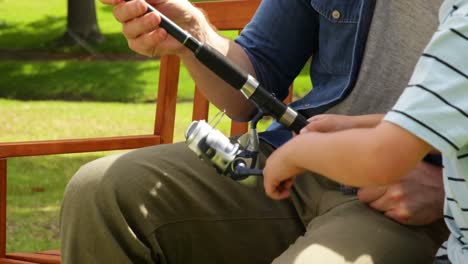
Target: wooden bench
<point>224,15</point>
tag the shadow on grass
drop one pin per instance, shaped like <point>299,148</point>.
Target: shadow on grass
<point>34,35</point>
<point>43,35</point>
<point>121,81</point>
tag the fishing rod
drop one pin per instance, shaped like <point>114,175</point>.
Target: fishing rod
<point>234,75</point>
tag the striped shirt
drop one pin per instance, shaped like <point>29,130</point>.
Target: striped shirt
<point>434,107</point>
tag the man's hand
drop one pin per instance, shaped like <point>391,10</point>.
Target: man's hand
<point>417,200</point>
<point>142,31</point>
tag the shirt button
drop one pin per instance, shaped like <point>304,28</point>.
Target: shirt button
<point>336,14</point>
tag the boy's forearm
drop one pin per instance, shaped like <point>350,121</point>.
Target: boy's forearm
<point>358,157</point>
<point>342,156</point>
<point>367,121</point>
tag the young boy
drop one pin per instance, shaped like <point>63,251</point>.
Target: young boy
<point>431,114</point>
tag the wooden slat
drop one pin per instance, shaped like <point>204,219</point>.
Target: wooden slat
<point>239,128</point>
<point>167,98</point>
<point>50,147</point>
<point>288,99</point>
<point>35,258</point>
<point>200,106</point>
<point>229,15</point>
<point>12,261</point>
<point>55,252</point>
<point>3,205</point>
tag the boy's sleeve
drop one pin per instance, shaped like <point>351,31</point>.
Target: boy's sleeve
<point>434,106</point>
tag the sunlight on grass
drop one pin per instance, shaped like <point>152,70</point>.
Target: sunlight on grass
<point>45,209</point>
<point>42,120</point>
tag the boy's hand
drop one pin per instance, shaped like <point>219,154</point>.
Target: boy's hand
<point>142,31</point>
<point>279,175</point>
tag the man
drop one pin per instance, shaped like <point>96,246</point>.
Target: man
<point>162,205</point>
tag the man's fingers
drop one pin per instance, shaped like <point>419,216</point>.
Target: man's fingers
<point>382,205</point>
<point>148,43</point>
<point>156,2</point>
<point>111,2</point>
<point>126,11</point>
<point>400,215</point>
<point>140,25</point>
<point>370,194</point>
<point>391,199</point>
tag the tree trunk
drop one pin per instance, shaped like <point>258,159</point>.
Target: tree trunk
<point>82,26</point>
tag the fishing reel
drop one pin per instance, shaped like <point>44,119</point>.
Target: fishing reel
<point>237,159</point>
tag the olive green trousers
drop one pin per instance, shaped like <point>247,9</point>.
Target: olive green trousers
<point>162,204</point>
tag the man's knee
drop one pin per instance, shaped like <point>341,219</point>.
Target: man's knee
<point>87,179</point>
<point>131,174</point>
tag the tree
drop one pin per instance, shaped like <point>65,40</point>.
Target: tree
<point>82,26</point>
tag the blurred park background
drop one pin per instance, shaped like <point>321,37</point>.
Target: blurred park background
<point>66,72</point>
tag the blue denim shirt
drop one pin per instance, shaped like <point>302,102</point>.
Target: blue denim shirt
<point>284,34</point>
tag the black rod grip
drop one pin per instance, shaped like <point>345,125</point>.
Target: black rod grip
<point>299,123</point>
<point>172,29</point>
<point>221,66</point>
<point>277,109</point>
